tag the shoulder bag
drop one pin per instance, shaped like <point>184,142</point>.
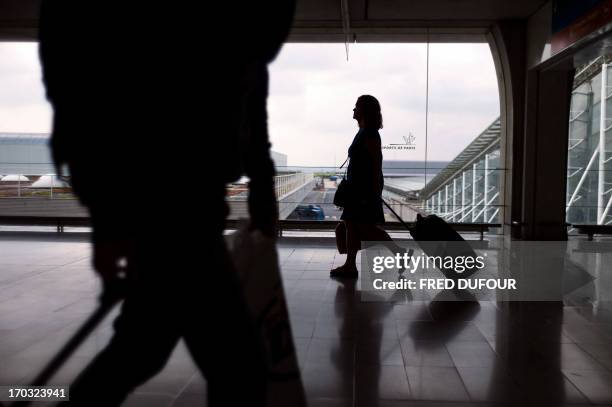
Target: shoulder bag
<point>343,192</point>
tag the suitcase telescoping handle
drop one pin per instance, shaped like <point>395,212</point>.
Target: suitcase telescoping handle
<point>113,293</point>
<point>396,215</point>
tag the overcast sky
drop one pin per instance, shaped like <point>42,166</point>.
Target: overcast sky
<point>314,88</point>
<point>23,107</point>
<point>313,91</point>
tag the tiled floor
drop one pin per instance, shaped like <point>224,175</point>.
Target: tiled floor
<point>351,353</point>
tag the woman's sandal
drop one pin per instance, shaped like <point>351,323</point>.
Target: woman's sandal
<point>344,272</point>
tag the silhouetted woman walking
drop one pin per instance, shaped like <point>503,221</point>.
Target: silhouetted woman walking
<point>364,212</point>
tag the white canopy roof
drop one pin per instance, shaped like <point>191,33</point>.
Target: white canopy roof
<point>49,181</point>
<point>14,177</point>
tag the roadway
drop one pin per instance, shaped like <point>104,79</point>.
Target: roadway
<point>324,198</point>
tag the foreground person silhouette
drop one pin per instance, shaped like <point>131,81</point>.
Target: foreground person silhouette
<point>134,89</point>
<point>362,215</point>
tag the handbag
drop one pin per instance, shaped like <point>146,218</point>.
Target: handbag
<point>343,192</point>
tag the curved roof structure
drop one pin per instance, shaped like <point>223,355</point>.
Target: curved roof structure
<point>481,144</point>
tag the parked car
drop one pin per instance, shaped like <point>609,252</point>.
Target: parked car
<point>333,178</point>
<point>308,212</point>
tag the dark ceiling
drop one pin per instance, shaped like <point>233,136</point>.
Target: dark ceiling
<point>373,10</point>
<point>322,20</point>
<point>405,20</point>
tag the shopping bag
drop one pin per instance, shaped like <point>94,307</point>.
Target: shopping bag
<point>256,261</point>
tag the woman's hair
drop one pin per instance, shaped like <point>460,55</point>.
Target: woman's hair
<point>372,117</point>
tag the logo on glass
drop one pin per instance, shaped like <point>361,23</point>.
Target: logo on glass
<point>408,144</point>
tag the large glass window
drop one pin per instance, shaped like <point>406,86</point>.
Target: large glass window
<point>464,133</point>
<point>589,183</point>
<point>440,107</point>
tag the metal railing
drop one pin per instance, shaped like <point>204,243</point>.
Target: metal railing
<point>285,184</point>
<point>52,186</point>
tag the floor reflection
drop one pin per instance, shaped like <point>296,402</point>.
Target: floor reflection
<point>466,352</point>
<point>528,341</point>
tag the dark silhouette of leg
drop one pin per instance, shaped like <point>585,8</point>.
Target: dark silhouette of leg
<point>353,244</point>
<point>146,332</point>
<point>356,233</point>
<point>168,298</point>
<point>341,237</point>
<point>373,233</point>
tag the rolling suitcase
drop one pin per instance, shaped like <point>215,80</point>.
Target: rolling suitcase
<point>437,238</point>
